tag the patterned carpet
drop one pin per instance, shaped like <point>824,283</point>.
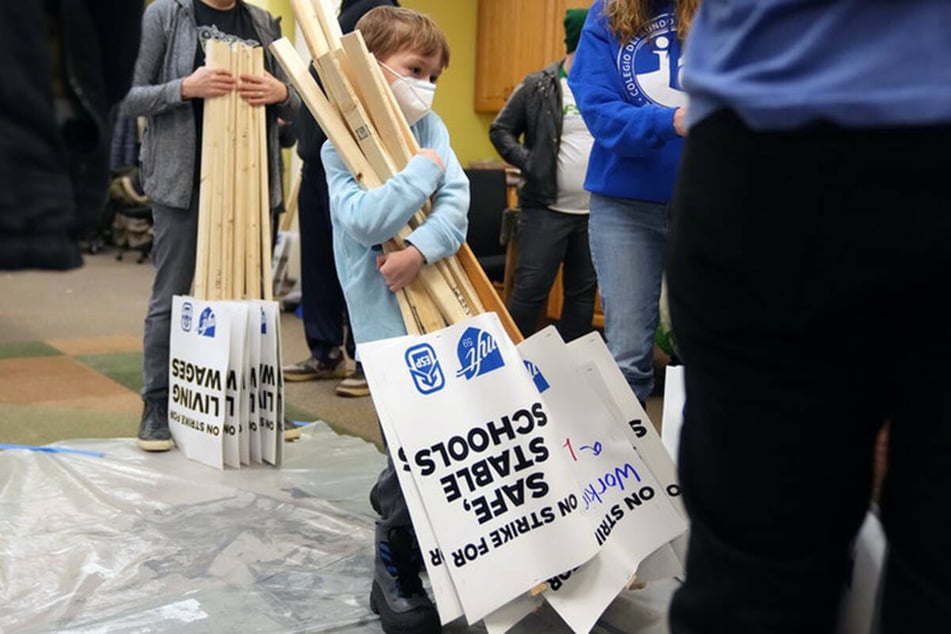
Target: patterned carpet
<point>48,388</point>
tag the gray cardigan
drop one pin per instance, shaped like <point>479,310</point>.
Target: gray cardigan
<point>166,56</point>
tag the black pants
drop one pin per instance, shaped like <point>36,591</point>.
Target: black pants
<point>808,276</point>
<point>322,302</point>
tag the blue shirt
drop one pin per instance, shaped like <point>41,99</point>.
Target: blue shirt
<point>364,219</point>
<point>627,93</point>
<point>783,63</point>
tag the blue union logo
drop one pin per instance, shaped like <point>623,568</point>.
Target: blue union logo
<point>424,368</point>
<point>206,323</point>
<point>541,383</point>
<point>478,353</point>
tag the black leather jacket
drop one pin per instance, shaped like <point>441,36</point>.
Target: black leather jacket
<point>55,122</point>
<point>533,110</point>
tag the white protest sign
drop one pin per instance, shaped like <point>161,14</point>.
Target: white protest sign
<point>499,497</point>
<point>199,347</point>
<point>506,617</point>
<point>630,515</point>
<point>616,394</point>
<point>234,393</point>
<point>254,366</point>
<point>244,404</point>
<point>444,592</point>
<point>674,399</point>
<point>268,392</point>
<point>861,594</point>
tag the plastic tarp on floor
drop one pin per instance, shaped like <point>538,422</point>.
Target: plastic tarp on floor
<point>96,536</point>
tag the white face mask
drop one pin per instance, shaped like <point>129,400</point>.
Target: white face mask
<point>414,96</point>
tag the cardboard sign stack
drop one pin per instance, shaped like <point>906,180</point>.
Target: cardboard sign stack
<point>225,383</point>
<point>549,484</point>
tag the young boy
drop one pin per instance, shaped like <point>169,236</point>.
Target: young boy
<point>412,52</point>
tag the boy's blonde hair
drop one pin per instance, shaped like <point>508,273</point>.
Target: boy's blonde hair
<point>388,30</point>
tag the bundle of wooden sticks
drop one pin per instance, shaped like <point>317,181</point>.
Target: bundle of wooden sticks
<point>360,117</point>
<point>233,258</point>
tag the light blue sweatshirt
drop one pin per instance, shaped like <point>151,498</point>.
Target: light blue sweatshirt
<point>364,219</point>
<point>784,63</point>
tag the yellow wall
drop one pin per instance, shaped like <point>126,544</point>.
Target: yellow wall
<point>468,129</point>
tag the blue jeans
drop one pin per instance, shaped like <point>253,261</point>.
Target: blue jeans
<point>547,239</point>
<point>627,246</point>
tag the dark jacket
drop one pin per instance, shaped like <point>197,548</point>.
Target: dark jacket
<point>533,110</point>
<point>166,57</point>
<point>55,122</point>
<point>310,136</point>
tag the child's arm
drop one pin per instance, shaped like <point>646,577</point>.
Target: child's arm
<point>372,217</point>
<point>445,228</point>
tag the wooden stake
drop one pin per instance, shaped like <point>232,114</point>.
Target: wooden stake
<point>290,211</point>
<point>252,238</point>
<point>244,205</point>
<point>206,182</point>
<point>419,303</point>
<point>265,271</point>
<point>328,23</point>
<point>217,109</point>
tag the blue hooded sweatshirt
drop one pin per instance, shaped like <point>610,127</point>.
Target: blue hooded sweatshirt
<point>627,94</point>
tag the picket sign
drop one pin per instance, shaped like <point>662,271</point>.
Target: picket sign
<point>444,590</point>
<point>477,441</point>
<point>199,349</point>
<point>235,386</point>
<point>270,383</point>
<point>223,357</point>
<point>516,478</point>
<point>616,393</point>
<point>619,490</point>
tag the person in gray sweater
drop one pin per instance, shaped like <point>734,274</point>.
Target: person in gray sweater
<point>169,86</point>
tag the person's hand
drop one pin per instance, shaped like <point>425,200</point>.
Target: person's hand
<point>432,156</point>
<point>206,82</point>
<point>680,121</point>
<point>262,90</point>
<point>400,268</point>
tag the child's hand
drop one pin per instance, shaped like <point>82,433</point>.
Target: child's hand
<point>400,268</point>
<point>432,156</point>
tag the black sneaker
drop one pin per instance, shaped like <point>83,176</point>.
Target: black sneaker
<point>398,595</point>
<point>153,429</point>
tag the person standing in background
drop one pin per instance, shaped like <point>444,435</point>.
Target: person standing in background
<point>553,216</point>
<point>323,309</point>
<point>170,84</point>
<point>812,212</point>
<point>67,64</point>
<point>626,80</point>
